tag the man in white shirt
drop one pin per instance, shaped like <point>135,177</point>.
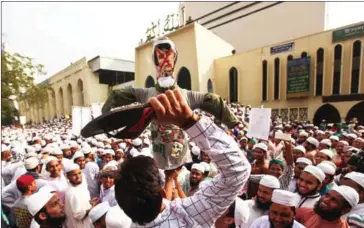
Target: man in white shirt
<point>78,202</point>
<point>138,190</point>
<point>300,165</point>
<point>356,181</point>
<point>107,178</point>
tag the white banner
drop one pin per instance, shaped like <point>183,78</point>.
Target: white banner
<point>22,119</point>
<point>96,110</point>
<point>259,124</point>
<point>80,117</point>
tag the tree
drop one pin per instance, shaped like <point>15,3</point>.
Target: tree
<point>17,78</point>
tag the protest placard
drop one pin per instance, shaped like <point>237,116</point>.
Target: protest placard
<point>259,124</point>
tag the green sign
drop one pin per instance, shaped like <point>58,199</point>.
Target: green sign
<point>348,33</point>
<point>298,77</point>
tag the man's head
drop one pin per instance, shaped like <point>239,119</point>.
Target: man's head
<point>138,189</point>
<point>337,202</point>
<point>74,174</point>
<point>298,152</point>
<point>119,154</point>
<point>107,177</point>
<point>311,144</point>
<point>47,209</point>
<point>260,151</point>
<point>310,181</point>
<point>301,164</point>
<point>196,174</point>
<point>282,211</point>
<point>32,164</point>
<point>323,155</point>
<point>98,214</point>
<point>108,155</point>
<point>358,143</point>
<point>53,166</point>
<point>67,153</point>
<point>79,159</point>
<point>356,181</point>
<point>329,169</point>
<point>275,167</point>
<point>165,57</point>
<point>5,153</point>
<point>340,146</point>
<point>303,135</point>
<point>265,190</point>
<point>324,144</point>
<point>26,184</point>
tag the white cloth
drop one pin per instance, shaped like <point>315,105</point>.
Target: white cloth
<point>293,185</point>
<point>19,172</point>
<point>116,218</point>
<point>91,172</point>
<point>249,213</point>
<point>77,202</point>
<point>60,184</point>
<point>34,224</point>
<point>358,209</point>
<point>307,201</point>
<point>108,195</point>
<point>263,222</point>
<point>285,198</point>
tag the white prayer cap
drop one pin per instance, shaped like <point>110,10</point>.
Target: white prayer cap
<point>122,146</point>
<point>327,152</point>
<point>43,143</point>
<point>261,146</point>
<point>313,141</point>
<point>353,136</point>
<point>31,163</point>
<point>326,168</point>
<point>146,141</point>
<point>350,195</point>
<point>318,173</point>
<point>359,140</point>
<point>49,159</point>
<point>73,144</point>
<point>98,137</point>
<point>326,142</point>
<point>57,151</point>
<point>112,165</point>
<point>303,133</point>
<point>79,141</point>
<point>320,132</point>
<point>94,142</point>
<point>89,140</point>
<point>108,146</point>
<point>31,154</point>
<point>137,142</point>
<point>357,177</point>
<point>270,182</point>
<point>98,211</point>
<point>4,148</point>
<point>284,198</point>
<point>344,142</point>
<point>196,150</point>
<point>108,151</point>
<point>78,154</point>
<point>37,147</point>
<point>116,218</point>
<point>65,146</point>
<point>198,167</point>
<point>206,166</point>
<point>334,137</point>
<point>46,150</point>
<point>192,143</point>
<point>300,148</point>
<point>37,201</point>
<point>70,167</point>
<point>85,144</point>
<point>85,150</point>
<point>100,145</point>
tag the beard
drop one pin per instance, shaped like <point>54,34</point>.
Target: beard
<point>287,226</point>
<point>194,183</point>
<point>331,215</point>
<point>310,193</point>
<point>166,81</point>
<point>263,206</point>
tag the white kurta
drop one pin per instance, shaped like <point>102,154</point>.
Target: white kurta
<point>307,201</point>
<point>263,222</point>
<point>248,213</point>
<point>358,209</point>
<point>108,195</point>
<point>60,184</point>
<point>91,172</point>
<point>77,202</point>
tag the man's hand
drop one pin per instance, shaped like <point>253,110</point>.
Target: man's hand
<point>172,108</point>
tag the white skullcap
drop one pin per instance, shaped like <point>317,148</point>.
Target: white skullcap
<point>137,142</point>
<point>85,150</point>
<point>146,141</point>
<point>300,148</point>
<point>313,141</point>
<point>78,154</point>
<point>108,151</point>
<point>98,211</point>
<point>326,168</point>
<point>57,151</point>
<point>327,152</point>
<point>65,146</point>
<point>284,198</point>
<point>4,148</point>
<point>344,142</point>
<point>122,146</point>
<point>261,146</point>
<point>43,143</point>
<point>359,139</point>
<point>318,173</point>
<point>98,137</point>
<point>113,165</point>
<point>47,149</point>
<point>206,166</point>
<point>303,133</point>
<point>79,141</point>
<point>357,177</point>
<point>116,218</point>
<point>270,182</point>
<point>37,201</point>
<point>353,136</point>
<point>326,142</point>
<point>108,146</point>
<point>31,154</point>
<point>37,147</point>
<point>70,167</point>
<point>198,167</point>
<point>49,159</point>
<point>196,150</point>
<point>334,137</point>
<point>350,195</point>
<point>100,145</point>
<point>30,149</point>
<point>31,163</point>
<point>73,144</point>
<point>320,132</point>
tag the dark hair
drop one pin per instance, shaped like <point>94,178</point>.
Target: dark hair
<point>138,190</point>
<point>33,170</point>
<point>36,216</point>
<point>231,210</point>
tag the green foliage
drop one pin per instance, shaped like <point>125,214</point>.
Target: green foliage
<point>17,78</point>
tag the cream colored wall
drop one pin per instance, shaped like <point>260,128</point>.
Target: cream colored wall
<point>285,21</point>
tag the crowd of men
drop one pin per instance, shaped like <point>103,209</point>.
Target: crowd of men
<point>53,178</point>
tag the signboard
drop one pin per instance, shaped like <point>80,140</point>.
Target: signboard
<point>298,77</point>
<point>169,24</point>
<point>259,123</point>
<point>282,48</point>
<point>22,120</point>
<point>348,33</point>
<point>80,117</point>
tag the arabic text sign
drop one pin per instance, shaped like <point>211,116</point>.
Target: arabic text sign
<point>298,77</point>
<point>348,33</point>
<point>282,48</point>
<point>171,23</point>
<point>259,124</point>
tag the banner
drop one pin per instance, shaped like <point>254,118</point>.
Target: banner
<point>22,120</point>
<point>298,77</point>
<point>96,110</point>
<point>282,48</point>
<point>80,117</point>
<point>348,33</point>
<point>259,123</point>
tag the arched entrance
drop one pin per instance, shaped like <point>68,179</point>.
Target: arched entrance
<point>233,84</point>
<point>52,105</point>
<point>210,87</point>
<point>80,97</point>
<point>184,78</point>
<point>149,82</point>
<point>327,112</point>
<point>61,102</point>
<point>356,111</point>
<point>69,98</point>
